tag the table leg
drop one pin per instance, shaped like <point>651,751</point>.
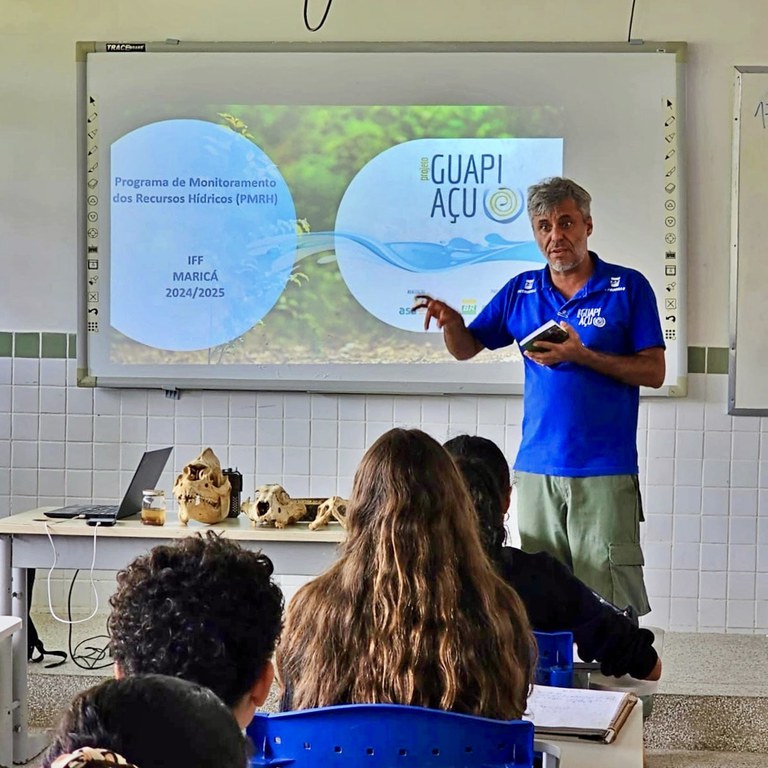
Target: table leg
<point>6,662</point>
<point>5,575</point>
<point>25,744</point>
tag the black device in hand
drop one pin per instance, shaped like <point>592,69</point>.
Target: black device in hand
<point>551,331</point>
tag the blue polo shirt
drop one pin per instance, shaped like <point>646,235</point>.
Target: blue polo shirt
<point>577,422</point>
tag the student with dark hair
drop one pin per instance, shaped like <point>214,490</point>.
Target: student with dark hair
<point>203,609</point>
<point>412,612</point>
<point>554,598</point>
<point>147,721</point>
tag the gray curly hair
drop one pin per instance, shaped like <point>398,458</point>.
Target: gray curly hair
<point>545,195</point>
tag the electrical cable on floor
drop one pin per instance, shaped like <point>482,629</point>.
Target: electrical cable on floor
<point>93,656</point>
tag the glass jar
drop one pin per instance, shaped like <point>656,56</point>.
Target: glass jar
<point>153,507</point>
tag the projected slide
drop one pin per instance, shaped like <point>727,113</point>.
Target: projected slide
<point>301,234</point>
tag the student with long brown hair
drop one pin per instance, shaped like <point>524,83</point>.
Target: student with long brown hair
<point>413,612</point>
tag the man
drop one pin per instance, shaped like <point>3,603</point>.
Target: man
<point>203,609</point>
<point>576,470</point>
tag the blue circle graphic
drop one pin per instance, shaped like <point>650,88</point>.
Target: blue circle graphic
<point>203,234</point>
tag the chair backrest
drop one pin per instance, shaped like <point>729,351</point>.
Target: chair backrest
<point>387,735</point>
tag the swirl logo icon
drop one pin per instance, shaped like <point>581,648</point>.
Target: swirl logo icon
<point>503,204</point>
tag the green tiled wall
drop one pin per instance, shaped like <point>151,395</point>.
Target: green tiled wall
<point>64,345</point>
<point>707,360</point>
<point>54,345</point>
<point>717,360</point>
<point>36,345</point>
<point>26,344</point>
<point>697,359</point>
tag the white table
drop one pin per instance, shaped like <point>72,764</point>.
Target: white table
<point>24,544</point>
<point>625,751</point>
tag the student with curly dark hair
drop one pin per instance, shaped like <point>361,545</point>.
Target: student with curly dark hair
<point>147,721</point>
<point>412,612</point>
<point>554,598</point>
<point>203,609</point>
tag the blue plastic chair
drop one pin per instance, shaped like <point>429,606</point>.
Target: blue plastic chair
<point>555,664</point>
<point>389,736</point>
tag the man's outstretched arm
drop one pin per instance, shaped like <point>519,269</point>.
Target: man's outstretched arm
<point>459,341</point>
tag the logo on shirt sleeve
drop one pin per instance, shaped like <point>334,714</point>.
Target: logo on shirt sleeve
<point>616,284</point>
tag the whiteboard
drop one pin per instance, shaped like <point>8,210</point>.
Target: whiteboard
<point>748,351</point>
<point>262,216</point>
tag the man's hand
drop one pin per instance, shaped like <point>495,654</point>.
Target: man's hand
<point>558,352</point>
<point>439,310</point>
<point>458,339</point>
<point>645,368</point>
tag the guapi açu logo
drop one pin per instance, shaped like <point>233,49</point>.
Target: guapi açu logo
<point>461,178</point>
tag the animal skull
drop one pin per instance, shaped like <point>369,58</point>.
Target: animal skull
<point>203,490</point>
<point>335,507</point>
<point>272,504</point>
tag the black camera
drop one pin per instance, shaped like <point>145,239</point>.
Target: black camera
<point>236,481</point>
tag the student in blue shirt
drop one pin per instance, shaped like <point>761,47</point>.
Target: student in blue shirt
<point>556,601</point>
<point>576,470</point>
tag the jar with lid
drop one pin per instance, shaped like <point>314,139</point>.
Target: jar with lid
<point>153,507</point>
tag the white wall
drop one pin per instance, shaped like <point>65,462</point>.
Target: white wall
<point>707,562</point>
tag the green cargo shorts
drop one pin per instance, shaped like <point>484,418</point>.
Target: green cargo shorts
<point>592,524</point>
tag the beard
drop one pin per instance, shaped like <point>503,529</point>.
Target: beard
<point>566,266</point>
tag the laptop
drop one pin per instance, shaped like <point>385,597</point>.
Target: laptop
<point>146,475</point>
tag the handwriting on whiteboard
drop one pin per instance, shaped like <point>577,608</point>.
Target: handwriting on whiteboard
<point>760,112</point>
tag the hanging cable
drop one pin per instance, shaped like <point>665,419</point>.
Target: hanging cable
<point>93,657</point>
<point>631,19</point>
<point>93,585</point>
<point>322,21</point>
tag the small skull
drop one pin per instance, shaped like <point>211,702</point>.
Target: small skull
<point>202,490</point>
<point>335,507</point>
<point>272,504</point>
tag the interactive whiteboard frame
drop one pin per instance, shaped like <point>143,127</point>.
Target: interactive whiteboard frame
<point>428,378</point>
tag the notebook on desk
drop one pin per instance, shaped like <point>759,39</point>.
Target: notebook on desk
<point>578,713</point>
<point>146,475</point>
